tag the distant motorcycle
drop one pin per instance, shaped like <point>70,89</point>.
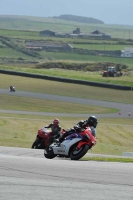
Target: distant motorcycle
<point>12,89</point>
<point>43,138</point>
<point>75,146</point>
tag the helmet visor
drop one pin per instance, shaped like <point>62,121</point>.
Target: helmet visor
<point>95,124</point>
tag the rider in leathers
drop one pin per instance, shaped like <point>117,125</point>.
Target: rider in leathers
<point>55,129</point>
<point>91,122</point>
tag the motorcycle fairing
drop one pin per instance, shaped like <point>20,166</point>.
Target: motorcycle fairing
<point>43,133</point>
<point>81,143</point>
<point>73,135</point>
<point>64,147</point>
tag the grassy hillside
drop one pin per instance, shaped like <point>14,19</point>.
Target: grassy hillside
<point>12,49</point>
<point>63,26</point>
<point>19,29</point>
<point>87,20</point>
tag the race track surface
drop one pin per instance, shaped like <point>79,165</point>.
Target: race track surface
<point>25,174</point>
<point>126,110</point>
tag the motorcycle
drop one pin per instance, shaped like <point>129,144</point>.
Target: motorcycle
<point>75,146</point>
<point>12,89</point>
<point>43,138</point>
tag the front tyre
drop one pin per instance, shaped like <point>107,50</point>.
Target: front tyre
<point>76,154</point>
<point>48,153</point>
<point>34,144</point>
<point>37,144</point>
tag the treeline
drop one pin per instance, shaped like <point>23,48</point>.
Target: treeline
<point>80,19</point>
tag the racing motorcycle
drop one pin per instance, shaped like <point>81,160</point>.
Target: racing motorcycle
<point>43,138</point>
<point>12,89</point>
<point>75,146</point>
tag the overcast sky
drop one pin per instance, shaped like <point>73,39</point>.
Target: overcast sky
<point>109,11</point>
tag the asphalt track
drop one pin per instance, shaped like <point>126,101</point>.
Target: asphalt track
<point>25,174</point>
<point>125,110</point>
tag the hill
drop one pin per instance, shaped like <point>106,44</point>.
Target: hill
<point>80,19</point>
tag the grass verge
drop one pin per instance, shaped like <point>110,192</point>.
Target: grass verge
<point>94,76</point>
<point>42,105</point>
<point>114,136</point>
<point>65,89</point>
<point>125,160</point>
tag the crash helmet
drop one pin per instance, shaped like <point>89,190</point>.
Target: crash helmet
<point>56,122</point>
<point>92,121</point>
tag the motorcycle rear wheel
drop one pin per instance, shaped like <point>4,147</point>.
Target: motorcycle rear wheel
<point>49,153</point>
<point>77,154</point>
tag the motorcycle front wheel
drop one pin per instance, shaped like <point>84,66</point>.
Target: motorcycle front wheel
<point>48,153</point>
<point>76,154</point>
<point>34,144</point>
<point>37,144</point>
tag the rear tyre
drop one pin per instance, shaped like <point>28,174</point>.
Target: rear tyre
<point>77,154</point>
<point>48,153</point>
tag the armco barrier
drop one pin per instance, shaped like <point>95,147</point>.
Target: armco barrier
<point>66,80</point>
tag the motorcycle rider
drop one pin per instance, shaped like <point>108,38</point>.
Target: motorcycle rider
<point>11,87</point>
<point>55,128</point>
<point>91,122</point>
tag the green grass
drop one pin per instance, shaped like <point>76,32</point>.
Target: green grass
<point>66,89</point>
<point>42,105</point>
<point>18,33</point>
<point>106,159</point>
<point>11,53</point>
<point>39,23</point>
<point>18,37</point>
<point>69,57</point>
<point>54,56</point>
<point>114,136</point>
<point>126,79</point>
<point>101,47</point>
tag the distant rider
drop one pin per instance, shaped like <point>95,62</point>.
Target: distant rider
<point>11,87</point>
